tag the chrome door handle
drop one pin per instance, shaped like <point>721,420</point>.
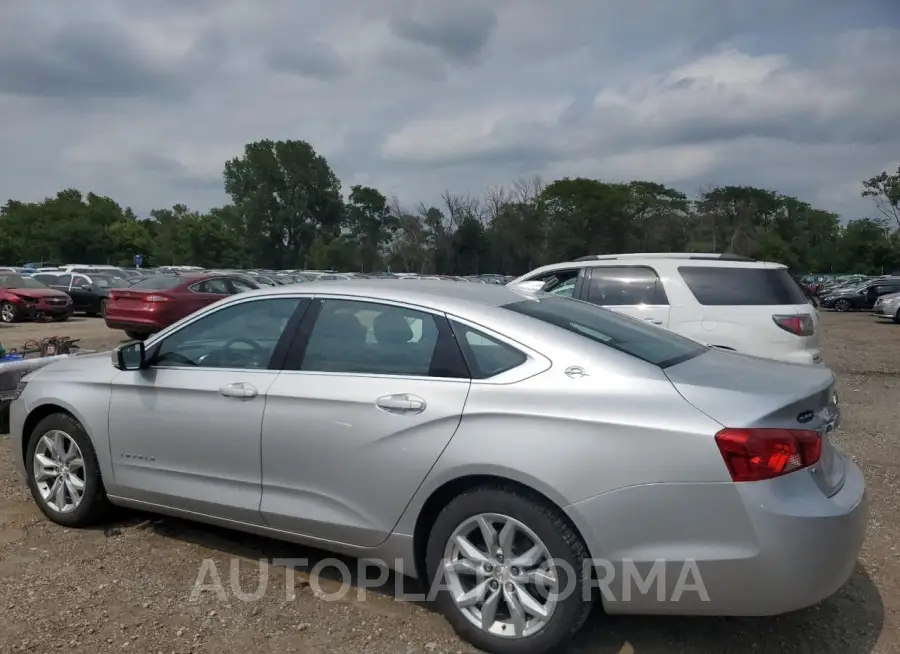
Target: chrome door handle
<point>402,403</point>
<point>654,321</point>
<point>239,391</point>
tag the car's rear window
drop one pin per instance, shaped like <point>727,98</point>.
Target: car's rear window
<point>623,333</point>
<point>740,286</point>
<point>158,282</point>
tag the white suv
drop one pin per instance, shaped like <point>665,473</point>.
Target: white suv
<point>722,300</point>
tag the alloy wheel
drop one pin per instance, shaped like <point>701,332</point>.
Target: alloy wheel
<point>500,576</point>
<point>59,471</point>
<point>841,305</point>
<point>7,312</point>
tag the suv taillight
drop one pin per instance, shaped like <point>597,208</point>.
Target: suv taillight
<point>758,454</point>
<point>801,325</point>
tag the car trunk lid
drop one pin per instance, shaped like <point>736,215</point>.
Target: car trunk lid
<point>741,391</point>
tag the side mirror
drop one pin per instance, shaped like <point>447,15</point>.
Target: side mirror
<point>129,356</point>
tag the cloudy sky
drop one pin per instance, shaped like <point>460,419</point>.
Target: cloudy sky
<point>144,100</point>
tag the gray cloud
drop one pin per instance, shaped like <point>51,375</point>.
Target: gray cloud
<point>144,101</point>
<point>459,32</point>
<point>90,59</point>
<point>311,59</point>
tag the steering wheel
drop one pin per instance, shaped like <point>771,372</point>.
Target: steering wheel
<point>240,339</point>
<point>175,357</point>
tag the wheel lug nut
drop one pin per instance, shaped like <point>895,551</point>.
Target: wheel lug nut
<point>510,587</point>
<point>514,571</point>
<point>494,585</point>
<point>488,567</point>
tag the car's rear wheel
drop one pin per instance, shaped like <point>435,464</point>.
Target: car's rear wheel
<point>897,317</point>
<point>136,336</point>
<point>9,312</point>
<point>63,474</point>
<point>102,308</point>
<point>509,571</point>
<point>842,305</point>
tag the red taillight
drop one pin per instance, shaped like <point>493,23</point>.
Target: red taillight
<point>757,454</point>
<point>157,298</point>
<point>801,325</point>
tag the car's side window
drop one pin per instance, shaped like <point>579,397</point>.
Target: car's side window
<point>352,336</point>
<point>213,286</point>
<point>559,282</point>
<point>625,286</point>
<point>240,286</point>
<point>80,281</point>
<point>242,335</point>
<point>487,357</point>
<point>63,280</point>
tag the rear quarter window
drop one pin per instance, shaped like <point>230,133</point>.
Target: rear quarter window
<point>629,335</point>
<point>739,286</point>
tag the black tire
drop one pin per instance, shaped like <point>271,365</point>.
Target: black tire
<point>9,312</point>
<point>561,540</point>
<point>62,318</point>
<point>102,313</point>
<point>94,504</point>
<point>136,336</point>
<point>842,306</point>
<point>897,317</point>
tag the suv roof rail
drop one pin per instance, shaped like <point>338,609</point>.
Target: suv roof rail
<point>666,255</point>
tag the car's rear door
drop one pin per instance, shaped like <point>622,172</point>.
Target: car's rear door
<point>373,394</point>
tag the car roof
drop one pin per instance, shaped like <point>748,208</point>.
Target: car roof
<point>435,294</point>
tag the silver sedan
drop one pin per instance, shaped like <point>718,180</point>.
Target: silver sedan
<point>526,453</point>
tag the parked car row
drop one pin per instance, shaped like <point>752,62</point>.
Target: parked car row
<point>861,296</point>
<point>504,441</point>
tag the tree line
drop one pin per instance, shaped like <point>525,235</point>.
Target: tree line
<point>288,211</point>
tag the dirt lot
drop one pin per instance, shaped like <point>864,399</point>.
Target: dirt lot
<point>128,587</point>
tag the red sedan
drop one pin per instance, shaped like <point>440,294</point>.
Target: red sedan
<point>23,298</point>
<point>156,302</point>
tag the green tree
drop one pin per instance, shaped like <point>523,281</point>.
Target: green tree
<point>371,225</point>
<point>287,194</point>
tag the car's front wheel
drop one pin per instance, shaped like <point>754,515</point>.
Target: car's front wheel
<point>62,472</point>
<point>842,305</point>
<point>509,571</point>
<point>9,312</point>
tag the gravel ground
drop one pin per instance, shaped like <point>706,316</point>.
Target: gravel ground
<point>128,587</point>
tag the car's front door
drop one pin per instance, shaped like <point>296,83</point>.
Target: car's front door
<point>80,290</point>
<point>353,429</point>
<point>633,290</point>
<point>185,431</point>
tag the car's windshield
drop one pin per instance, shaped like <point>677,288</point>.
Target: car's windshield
<point>629,335</point>
<point>158,282</point>
<point>17,281</point>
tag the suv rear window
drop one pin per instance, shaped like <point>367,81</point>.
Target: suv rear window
<point>623,333</point>
<point>737,286</point>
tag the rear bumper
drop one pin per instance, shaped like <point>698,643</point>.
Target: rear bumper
<point>133,324</point>
<point>814,357</point>
<point>754,549</point>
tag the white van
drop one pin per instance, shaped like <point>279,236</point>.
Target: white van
<point>722,300</point>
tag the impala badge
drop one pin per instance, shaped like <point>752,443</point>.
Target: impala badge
<point>806,416</point>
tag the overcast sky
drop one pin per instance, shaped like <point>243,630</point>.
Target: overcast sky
<point>144,100</point>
